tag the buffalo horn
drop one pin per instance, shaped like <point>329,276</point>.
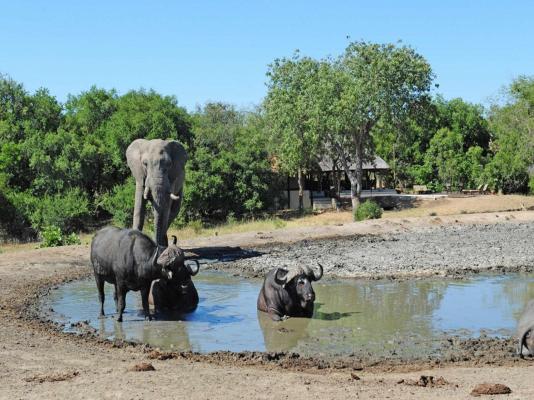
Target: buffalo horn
<point>280,276</point>
<point>192,269</point>
<point>318,276</point>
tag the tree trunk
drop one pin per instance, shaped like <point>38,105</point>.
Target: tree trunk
<point>300,177</point>
<point>354,197</point>
<point>356,180</point>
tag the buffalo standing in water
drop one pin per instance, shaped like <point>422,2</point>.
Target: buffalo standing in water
<point>525,330</point>
<point>179,293</point>
<point>130,260</point>
<point>288,293</point>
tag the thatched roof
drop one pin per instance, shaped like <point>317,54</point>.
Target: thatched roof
<point>378,163</point>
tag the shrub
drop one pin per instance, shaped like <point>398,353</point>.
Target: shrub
<point>71,239</point>
<point>66,211</point>
<point>279,223</point>
<point>368,210</point>
<point>14,220</point>
<point>53,237</point>
<point>531,185</point>
<point>196,225</point>
<point>120,203</point>
<point>231,219</point>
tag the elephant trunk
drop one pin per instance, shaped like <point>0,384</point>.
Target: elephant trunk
<point>160,202</point>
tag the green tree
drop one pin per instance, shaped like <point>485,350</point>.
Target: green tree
<point>464,118</point>
<point>229,170</point>
<point>377,82</point>
<point>512,124</point>
<point>289,111</point>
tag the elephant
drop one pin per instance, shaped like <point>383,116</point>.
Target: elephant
<point>158,167</point>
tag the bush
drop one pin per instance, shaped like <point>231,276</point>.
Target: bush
<point>196,225</point>
<point>531,185</point>
<point>120,203</point>
<point>231,219</point>
<point>53,237</point>
<point>368,210</point>
<point>14,221</point>
<point>65,211</point>
<point>279,223</point>
<point>71,239</point>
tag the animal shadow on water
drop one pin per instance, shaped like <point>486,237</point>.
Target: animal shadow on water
<point>332,316</point>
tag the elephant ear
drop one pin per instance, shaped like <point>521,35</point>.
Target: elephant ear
<point>179,158</point>
<point>133,158</point>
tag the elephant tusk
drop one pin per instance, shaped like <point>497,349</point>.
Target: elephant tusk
<point>145,193</point>
<point>175,197</point>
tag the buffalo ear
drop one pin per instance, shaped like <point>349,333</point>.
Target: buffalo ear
<point>280,276</point>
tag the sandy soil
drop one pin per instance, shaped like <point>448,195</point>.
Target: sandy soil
<point>38,361</point>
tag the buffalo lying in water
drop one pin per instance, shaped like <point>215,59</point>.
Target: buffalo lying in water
<point>288,292</point>
<point>525,330</point>
<point>130,260</point>
<point>179,293</point>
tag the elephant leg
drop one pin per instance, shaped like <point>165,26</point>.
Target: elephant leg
<point>139,207</point>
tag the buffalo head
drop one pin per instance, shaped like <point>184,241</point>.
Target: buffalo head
<point>173,265</point>
<point>298,281</point>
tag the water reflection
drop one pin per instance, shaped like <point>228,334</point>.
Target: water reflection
<point>283,335</point>
<point>350,316</point>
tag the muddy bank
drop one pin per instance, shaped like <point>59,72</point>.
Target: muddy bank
<point>449,250</point>
<point>38,360</point>
<point>434,250</point>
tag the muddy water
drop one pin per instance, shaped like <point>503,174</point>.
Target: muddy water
<point>380,317</point>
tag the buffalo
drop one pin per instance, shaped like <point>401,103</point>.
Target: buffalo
<point>176,294</point>
<point>525,330</point>
<point>288,292</point>
<point>130,260</point>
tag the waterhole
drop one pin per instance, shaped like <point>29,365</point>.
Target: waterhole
<point>351,316</point>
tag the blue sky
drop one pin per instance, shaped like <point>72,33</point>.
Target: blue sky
<point>219,50</point>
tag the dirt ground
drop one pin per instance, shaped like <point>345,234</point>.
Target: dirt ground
<point>39,361</point>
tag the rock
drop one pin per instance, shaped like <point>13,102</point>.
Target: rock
<point>141,367</point>
<point>490,389</point>
<point>53,377</point>
<point>425,381</point>
<point>354,376</point>
<point>158,355</point>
